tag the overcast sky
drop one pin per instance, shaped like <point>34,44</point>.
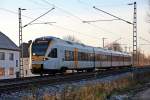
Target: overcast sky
<point>69,14</point>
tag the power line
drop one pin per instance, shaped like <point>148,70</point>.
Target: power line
<point>95,26</point>
<point>39,17</point>
<point>102,29</point>
<point>63,10</point>
<point>74,31</point>
<point>88,22</point>
<point>144,39</point>
<point>42,22</point>
<point>114,41</point>
<point>112,15</point>
<point>16,13</point>
<point>144,44</point>
<point>35,2</point>
<point>13,12</point>
<point>98,20</point>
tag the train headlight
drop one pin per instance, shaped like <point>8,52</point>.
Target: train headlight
<point>33,54</point>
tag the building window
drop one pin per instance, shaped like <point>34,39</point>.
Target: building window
<point>26,72</point>
<point>2,71</point>
<point>11,56</point>
<point>2,56</point>
<point>11,71</point>
<point>17,74</point>
<point>16,63</point>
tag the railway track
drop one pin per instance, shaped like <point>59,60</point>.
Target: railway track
<point>26,83</point>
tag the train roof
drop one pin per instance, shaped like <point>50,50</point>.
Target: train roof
<point>80,45</point>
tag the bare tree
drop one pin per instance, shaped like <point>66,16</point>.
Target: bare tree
<point>115,46</point>
<point>71,39</point>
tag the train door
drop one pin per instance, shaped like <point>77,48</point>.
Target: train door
<point>76,57</point>
<point>53,61</point>
<point>94,59</point>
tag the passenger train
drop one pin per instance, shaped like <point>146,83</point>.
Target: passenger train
<point>54,55</point>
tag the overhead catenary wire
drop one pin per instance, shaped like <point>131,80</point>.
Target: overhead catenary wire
<point>112,15</point>
<point>39,17</point>
<point>95,26</point>
<point>13,12</point>
<point>45,1</point>
<point>63,10</point>
<point>74,31</point>
<point>144,39</point>
<point>91,25</point>
<point>36,2</point>
<point>90,21</point>
<point>114,41</point>
<point>45,22</point>
<point>16,13</point>
<point>99,20</point>
<point>50,23</point>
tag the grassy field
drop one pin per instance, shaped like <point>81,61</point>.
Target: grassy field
<point>99,91</point>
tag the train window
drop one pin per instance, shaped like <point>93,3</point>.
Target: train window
<point>88,57</point>
<point>96,57</point>
<point>122,58</point>
<point>117,58</point>
<point>39,48</point>
<point>109,57</point>
<point>79,56</point>
<point>53,53</point>
<point>114,58</point>
<point>99,57</point>
<point>126,59</point>
<point>82,56</point>
<point>66,55</point>
<point>71,54</point>
<point>91,57</point>
<point>104,57</point>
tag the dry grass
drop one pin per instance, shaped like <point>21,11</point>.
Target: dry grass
<point>100,91</point>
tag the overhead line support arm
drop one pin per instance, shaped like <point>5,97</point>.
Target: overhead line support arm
<point>38,17</point>
<point>112,15</point>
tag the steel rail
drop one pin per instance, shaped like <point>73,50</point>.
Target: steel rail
<point>27,82</point>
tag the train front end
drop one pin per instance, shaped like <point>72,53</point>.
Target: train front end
<point>37,55</point>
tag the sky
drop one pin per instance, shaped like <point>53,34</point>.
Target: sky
<point>69,15</point>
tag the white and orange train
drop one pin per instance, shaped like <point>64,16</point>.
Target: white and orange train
<point>54,55</point>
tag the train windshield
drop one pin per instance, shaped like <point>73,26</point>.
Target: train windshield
<point>39,48</point>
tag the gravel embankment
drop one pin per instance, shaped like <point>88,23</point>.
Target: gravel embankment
<point>57,88</point>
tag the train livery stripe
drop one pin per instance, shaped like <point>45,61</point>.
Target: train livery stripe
<point>76,57</point>
<point>37,58</point>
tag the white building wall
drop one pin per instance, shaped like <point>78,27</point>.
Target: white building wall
<point>27,70</point>
<point>7,64</point>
